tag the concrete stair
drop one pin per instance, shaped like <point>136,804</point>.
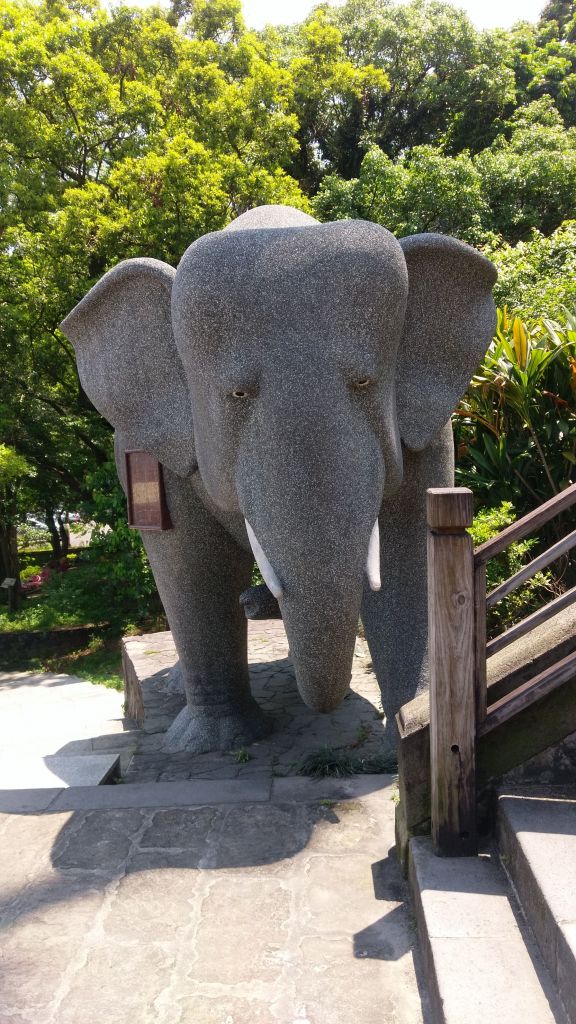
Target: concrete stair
<point>537,843</point>
<point>498,931</point>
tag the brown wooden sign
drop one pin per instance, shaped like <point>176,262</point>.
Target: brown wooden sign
<point>147,508</point>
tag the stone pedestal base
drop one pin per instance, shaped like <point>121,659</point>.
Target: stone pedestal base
<point>152,682</point>
<point>356,730</point>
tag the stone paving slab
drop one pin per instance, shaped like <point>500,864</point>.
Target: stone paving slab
<point>192,794</point>
<point>356,727</point>
<point>162,794</point>
<point>22,801</point>
<point>251,913</point>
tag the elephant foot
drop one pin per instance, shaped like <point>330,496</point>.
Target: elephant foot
<point>200,730</point>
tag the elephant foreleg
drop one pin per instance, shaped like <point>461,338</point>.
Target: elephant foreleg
<point>200,572</point>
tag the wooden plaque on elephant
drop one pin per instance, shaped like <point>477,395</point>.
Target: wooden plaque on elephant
<point>147,508</point>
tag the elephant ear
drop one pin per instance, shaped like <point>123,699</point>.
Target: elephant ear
<point>128,363</point>
<point>450,321</point>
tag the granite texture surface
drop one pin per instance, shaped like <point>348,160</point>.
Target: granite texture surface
<point>299,377</point>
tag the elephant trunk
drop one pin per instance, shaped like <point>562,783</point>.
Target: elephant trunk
<point>321,629</point>
<point>321,623</point>
<point>317,545</point>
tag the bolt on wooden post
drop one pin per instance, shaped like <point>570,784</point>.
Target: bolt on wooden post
<point>452,667</point>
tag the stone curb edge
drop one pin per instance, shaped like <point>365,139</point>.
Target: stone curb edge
<point>190,794</point>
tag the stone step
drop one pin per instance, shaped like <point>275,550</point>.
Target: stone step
<point>480,960</point>
<point>537,842</point>
<point>199,793</point>
<point>57,771</point>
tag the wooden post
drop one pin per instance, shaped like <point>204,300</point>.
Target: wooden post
<point>452,665</point>
<point>480,681</point>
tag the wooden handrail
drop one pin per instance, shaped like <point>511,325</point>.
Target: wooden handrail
<point>457,605</point>
<point>528,524</point>
<point>530,691</point>
<point>527,571</point>
<point>527,624</point>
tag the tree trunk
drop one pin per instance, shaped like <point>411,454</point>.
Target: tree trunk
<point>10,566</point>
<point>55,540</point>
<point>64,533</point>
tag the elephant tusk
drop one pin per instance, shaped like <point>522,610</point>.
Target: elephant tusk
<point>373,558</point>
<point>268,574</point>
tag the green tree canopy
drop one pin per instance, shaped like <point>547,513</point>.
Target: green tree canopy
<point>446,82</point>
<point>121,133</point>
<point>130,131</point>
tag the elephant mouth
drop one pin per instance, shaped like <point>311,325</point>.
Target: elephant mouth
<point>372,567</point>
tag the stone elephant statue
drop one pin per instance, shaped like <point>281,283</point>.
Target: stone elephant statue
<point>295,381</point>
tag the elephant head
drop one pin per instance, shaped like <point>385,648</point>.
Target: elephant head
<point>288,361</point>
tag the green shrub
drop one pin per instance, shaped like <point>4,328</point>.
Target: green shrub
<point>537,275</point>
<point>36,556</point>
<point>116,570</point>
<point>336,762</point>
<point>100,662</point>
<point>28,571</point>
<point>257,578</point>
<point>515,429</point>
<point>327,761</point>
<point>487,523</point>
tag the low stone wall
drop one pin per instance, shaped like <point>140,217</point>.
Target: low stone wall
<point>41,642</point>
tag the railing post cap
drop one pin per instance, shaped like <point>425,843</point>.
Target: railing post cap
<point>449,508</point>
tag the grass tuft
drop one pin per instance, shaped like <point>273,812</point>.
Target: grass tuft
<point>327,761</point>
<point>330,762</point>
<point>242,756</point>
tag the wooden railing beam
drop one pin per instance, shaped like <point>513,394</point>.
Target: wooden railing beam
<point>457,606</point>
<point>528,524</point>
<point>452,666</point>
<point>530,570</point>
<point>528,624</point>
<point>531,691</point>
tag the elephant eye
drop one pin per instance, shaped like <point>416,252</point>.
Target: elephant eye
<point>240,393</point>
<point>362,383</point>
